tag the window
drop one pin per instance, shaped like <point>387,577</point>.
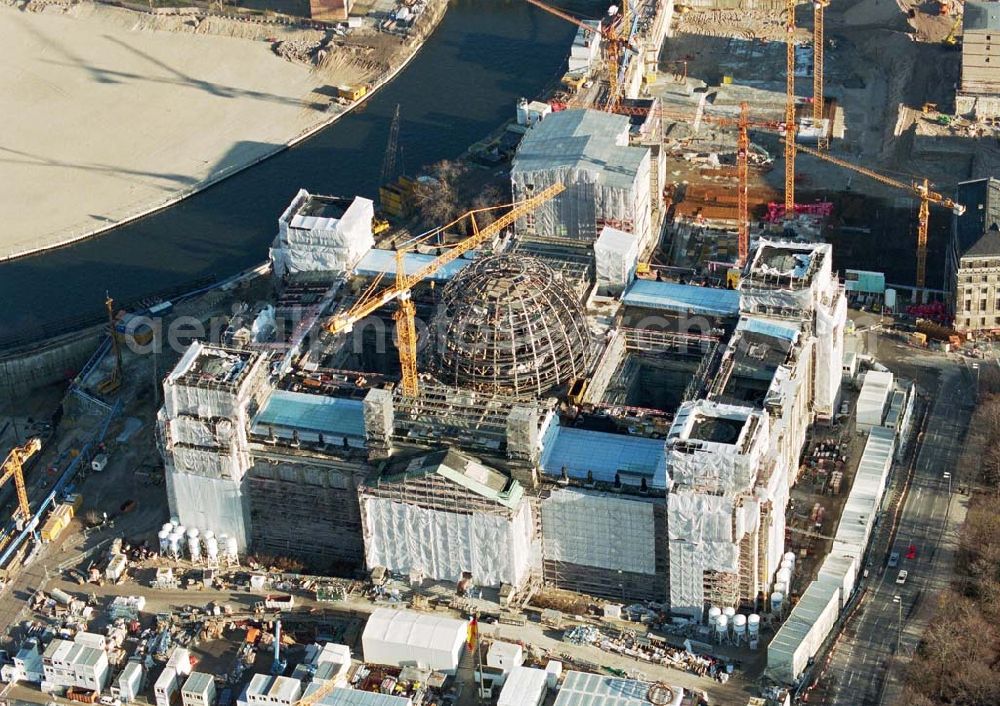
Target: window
<point>982,305</point>
<point>968,305</point>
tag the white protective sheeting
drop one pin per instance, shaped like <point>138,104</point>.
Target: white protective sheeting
<point>442,545</point>
<point>307,243</point>
<point>830,321</point>
<point>526,686</point>
<point>227,464</point>
<point>697,518</point>
<point>802,634</point>
<point>208,503</point>
<point>601,530</point>
<point>616,256</point>
<point>606,180</point>
<point>403,638</point>
<point>873,399</point>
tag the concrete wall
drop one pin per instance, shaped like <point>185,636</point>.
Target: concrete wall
<point>977,106</point>
<point>48,362</point>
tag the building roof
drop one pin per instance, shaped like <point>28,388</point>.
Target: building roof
<point>378,262</point>
<point>772,328</point>
<point>586,140</point>
<point>353,697</point>
<point>311,414</point>
<point>981,15</point>
<point>198,682</point>
<point>978,229</point>
<point>259,684</point>
<point>580,451</point>
<point>285,689</point>
<point>523,686</point>
<point>463,470</point>
<point>583,689</point>
<point>415,630</point>
<point>685,298</point>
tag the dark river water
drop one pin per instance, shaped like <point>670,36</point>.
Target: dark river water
<point>463,84</point>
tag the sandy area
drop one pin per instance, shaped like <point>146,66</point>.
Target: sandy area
<point>107,118</point>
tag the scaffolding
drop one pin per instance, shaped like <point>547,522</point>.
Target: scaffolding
<point>442,524</point>
<point>306,507</point>
<point>508,325</point>
<point>604,544</point>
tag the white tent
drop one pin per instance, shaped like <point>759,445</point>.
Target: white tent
<point>403,638</point>
<point>525,686</point>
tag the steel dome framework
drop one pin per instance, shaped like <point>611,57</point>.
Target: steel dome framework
<point>509,325</point>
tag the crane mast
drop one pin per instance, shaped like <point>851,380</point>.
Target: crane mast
<point>13,467</point>
<point>790,109</point>
<point>921,188</point>
<point>405,315</point>
<point>742,176</point>
<point>818,107</point>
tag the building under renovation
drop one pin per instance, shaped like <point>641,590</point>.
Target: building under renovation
<point>607,180</point>
<point>631,442</point>
<point>979,91</point>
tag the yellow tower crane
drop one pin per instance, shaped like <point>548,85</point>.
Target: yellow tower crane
<point>920,187</point>
<point>614,42</point>
<point>742,178</point>
<point>790,109</point>
<point>13,467</point>
<point>818,7</point>
<point>399,292</point>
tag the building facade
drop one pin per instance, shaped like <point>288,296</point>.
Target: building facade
<point>974,258</point>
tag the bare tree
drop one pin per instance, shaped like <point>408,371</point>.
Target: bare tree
<point>437,198</point>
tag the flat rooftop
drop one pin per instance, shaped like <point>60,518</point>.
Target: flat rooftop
<point>310,415</point>
<point>786,265</point>
<point>316,206</point>
<point>210,366</point>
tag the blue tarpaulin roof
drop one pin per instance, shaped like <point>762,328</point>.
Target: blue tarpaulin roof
<point>384,262</point>
<point>671,296</point>
<point>775,329</point>
<point>331,416</point>
<point>604,454</point>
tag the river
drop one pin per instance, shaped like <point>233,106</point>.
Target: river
<point>462,85</point>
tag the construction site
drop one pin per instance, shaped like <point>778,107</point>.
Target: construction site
<point>624,411</point>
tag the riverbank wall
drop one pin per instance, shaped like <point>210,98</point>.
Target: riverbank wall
<point>428,22</point>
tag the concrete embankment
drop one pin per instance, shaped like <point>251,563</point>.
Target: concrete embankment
<point>47,362</point>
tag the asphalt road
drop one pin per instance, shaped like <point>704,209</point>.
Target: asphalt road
<point>885,629</point>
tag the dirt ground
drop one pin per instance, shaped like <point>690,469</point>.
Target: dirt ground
<point>119,112</point>
<point>881,67</point>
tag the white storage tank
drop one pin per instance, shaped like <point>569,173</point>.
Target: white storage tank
<point>168,527</point>
<point>232,548</point>
<point>212,548</point>
<point>787,566</point>
<point>789,556</point>
<point>194,547</point>
<point>739,627</point>
<point>783,575</point>
<point>164,537</point>
<point>730,613</point>
<point>722,627</point>
<point>206,534</point>
<point>753,625</point>
<point>780,587</point>
<point>777,601</point>
<point>713,615</point>
<point>175,521</point>
<point>174,545</point>
<point>180,529</point>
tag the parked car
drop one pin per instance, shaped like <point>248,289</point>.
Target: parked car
<point>894,559</point>
<point>902,577</point>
